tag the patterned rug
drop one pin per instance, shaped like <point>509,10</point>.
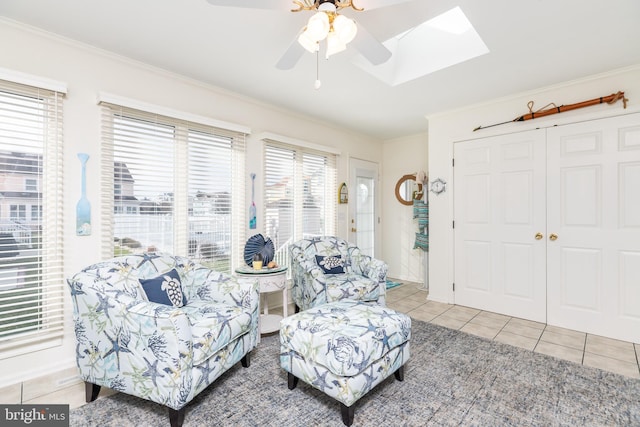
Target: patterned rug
<point>452,379</point>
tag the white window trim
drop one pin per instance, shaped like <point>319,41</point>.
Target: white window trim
<point>108,98</point>
<point>31,80</point>
<point>268,136</point>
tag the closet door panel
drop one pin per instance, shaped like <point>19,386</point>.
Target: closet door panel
<point>629,288</point>
<point>582,279</point>
<point>593,197</point>
<point>499,204</point>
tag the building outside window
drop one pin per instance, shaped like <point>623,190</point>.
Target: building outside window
<point>18,212</point>
<point>31,185</point>
<point>36,213</point>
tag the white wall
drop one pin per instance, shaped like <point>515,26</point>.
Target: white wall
<point>447,128</point>
<point>86,72</point>
<point>402,156</point>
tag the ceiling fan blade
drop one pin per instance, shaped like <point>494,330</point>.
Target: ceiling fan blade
<point>256,4</point>
<point>370,48</point>
<point>291,56</point>
<point>376,4</point>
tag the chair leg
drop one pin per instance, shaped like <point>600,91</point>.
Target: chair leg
<point>347,413</point>
<point>246,361</point>
<point>292,381</point>
<point>399,374</point>
<point>91,391</point>
<point>176,416</point>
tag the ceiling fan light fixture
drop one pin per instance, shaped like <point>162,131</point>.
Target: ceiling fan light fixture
<point>327,7</point>
<point>345,28</point>
<point>334,44</point>
<point>308,43</point>
<point>318,26</point>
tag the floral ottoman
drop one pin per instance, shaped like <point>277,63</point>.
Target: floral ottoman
<point>344,349</point>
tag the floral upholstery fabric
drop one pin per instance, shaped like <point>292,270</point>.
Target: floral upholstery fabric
<point>154,351</point>
<point>364,278</point>
<point>345,348</point>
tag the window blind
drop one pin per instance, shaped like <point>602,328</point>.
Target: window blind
<point>31,251</point>
<point>172,185</point>
<point>300,195</point>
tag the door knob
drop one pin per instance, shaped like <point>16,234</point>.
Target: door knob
<point>553,237</point>
<point>353,230</point>
<point>539,236</point>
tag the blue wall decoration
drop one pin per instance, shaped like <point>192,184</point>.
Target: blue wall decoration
<point>83,207</point>
<point>252,209</point>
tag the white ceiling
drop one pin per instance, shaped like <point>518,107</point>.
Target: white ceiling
<point>532,44</point>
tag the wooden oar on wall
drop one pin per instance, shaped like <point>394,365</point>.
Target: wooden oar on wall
<point>611,99</point>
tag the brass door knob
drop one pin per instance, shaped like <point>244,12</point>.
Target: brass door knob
<point>539,236</point>
<point>553,237</point>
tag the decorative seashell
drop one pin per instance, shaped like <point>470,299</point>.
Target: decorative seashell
<point>258,244</point>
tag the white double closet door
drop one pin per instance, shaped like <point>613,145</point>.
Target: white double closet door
<point>547,225</point>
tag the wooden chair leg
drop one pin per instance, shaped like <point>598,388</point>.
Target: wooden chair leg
<point>347,413</point>
<point>176,416</point>
<point>399,374</point>
<point>246,360</point>
<point>91,391</point>
<point>292,381</point>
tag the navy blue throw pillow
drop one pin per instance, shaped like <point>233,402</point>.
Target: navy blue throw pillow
<point>333,264</point>
<point>165,289</point>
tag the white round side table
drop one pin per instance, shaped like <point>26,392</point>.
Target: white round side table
<point>270,280</point>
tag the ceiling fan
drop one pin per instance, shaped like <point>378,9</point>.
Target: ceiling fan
<point>326,24</point>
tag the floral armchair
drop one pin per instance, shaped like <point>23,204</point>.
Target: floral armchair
<point>327,269</point>
<point>163,352</point>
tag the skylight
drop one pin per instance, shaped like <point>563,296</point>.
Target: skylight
<point>445,40</point>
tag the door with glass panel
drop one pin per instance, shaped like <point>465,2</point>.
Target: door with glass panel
<point>363,198</point>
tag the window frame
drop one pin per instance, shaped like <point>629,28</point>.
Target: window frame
<point>39,265</point>
<point>186,126</point>
<point>299,150</point>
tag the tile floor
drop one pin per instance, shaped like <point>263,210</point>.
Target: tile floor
<point>590,350</point>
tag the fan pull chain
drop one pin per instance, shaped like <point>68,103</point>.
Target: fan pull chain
<point>318,82</point>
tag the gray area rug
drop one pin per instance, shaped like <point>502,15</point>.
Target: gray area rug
<point>452,379</point>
